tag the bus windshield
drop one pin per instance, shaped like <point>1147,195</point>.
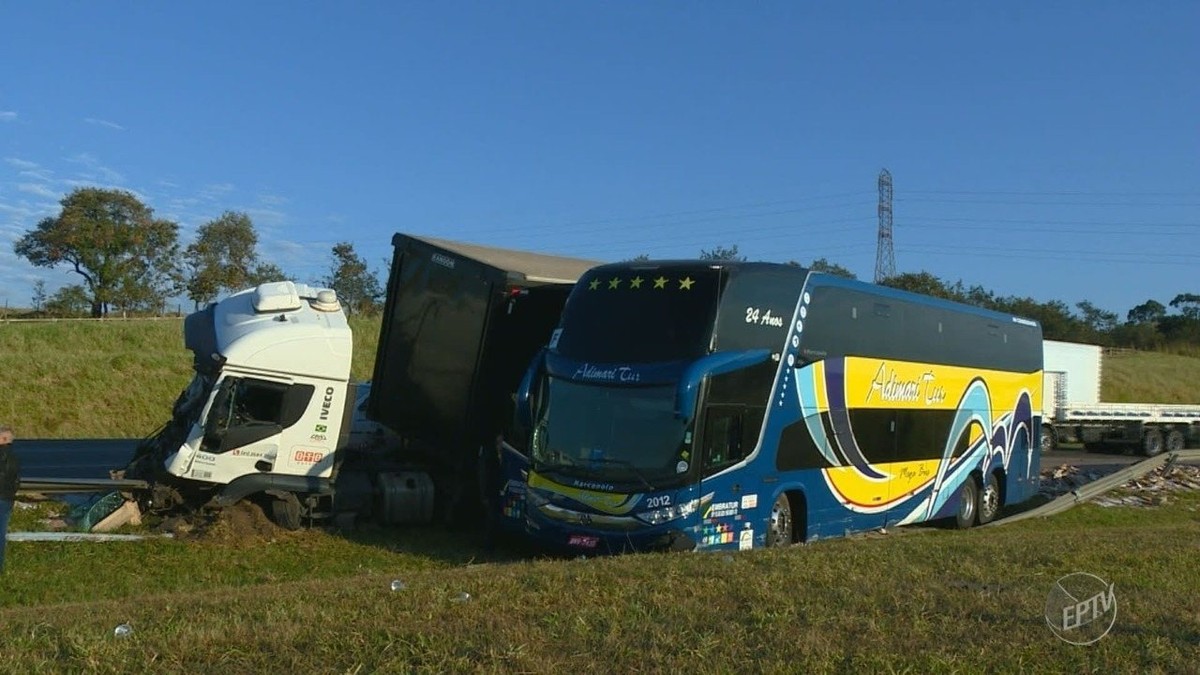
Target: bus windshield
<point>640,315</point>
<point>621,435</point>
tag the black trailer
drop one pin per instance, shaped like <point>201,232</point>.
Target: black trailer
<point>461,324</point>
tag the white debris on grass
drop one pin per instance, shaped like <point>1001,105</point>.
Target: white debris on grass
<point>1152,489</point>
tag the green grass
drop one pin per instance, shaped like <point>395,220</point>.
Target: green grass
<point>108,379</point>
<point>103,379</point>
<point>117,379</point>
<point>919,600</point>
<point>1150,377</point>
<point>927,600</point>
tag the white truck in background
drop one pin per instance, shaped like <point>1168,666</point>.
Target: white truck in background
<point>1073,412</point>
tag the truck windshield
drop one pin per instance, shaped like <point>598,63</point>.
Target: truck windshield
<point>621,435</point>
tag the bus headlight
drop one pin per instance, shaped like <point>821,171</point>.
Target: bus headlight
<point>669,513</point>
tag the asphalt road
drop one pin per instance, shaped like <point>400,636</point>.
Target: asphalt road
<point>74,458</point>
<point>1081,458</point>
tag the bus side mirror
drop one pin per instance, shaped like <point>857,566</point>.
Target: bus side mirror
<point>714,364</point>
<point>532,374</point>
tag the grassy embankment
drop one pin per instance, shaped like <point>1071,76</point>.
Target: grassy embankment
<point>930,600</point>
<point>108,379</point>
<point>117,379</point>
<point>267,601</point>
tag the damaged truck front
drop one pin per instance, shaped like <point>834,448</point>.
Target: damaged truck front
<point>271,414</point>
<point>268,405</point>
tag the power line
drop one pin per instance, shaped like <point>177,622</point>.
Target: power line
<point>1052,230</point>
<point>1053,193</point>
<point>1151,259</point>
<point>1009,202</point>
<point>1026,221</point>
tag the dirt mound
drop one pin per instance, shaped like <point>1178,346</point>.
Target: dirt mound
<point>244,522</point>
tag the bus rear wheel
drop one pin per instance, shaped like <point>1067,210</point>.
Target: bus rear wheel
<point>779,528</point>
<point>989,499</point>
<point>968,503</point>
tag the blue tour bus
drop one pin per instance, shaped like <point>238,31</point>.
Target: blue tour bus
<point>728,405</point>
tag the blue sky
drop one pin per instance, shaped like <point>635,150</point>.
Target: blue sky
<point>1040,149</point>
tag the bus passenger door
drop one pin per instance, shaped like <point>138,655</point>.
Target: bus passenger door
<point>730,433</point>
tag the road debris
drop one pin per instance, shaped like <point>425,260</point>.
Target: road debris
<point>1152,489</point>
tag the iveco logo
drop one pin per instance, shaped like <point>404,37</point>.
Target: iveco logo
<point>327,403</point>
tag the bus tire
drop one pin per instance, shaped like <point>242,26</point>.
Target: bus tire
<point>989,499</point>
<point>968,504</point>
<point>1175,441</point>
<point>779,526</point>
<point>1152,442</point>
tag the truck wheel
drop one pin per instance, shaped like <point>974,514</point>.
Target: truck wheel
<point>1175,441</point>
<point>989,499</point>
<point>1152,442</point>
<point>1049,440</point>
<point>285,511</point>
<point>779,527</point>
<point>968,502</point>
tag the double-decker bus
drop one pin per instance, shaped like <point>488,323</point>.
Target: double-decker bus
<point>732,405</point>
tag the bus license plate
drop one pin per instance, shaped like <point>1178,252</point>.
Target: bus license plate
<point>583,541</point>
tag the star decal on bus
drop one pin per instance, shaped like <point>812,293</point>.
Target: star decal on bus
<point>660,282</point>
<point>613,283</point>
<point>685,284</point>
<point>635,282</point>
<point>594,285</point>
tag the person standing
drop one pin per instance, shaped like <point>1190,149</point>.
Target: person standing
<point>10,479</point>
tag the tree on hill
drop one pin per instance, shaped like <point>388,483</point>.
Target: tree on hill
<point>112,240</point>
<point>1100,320</point>
<point>922,282</point>
<point>69,301</point>
<point>823,265</point>
<point>1188,305</point>
<point>357,287</point>
<point>1151,311</point>
<point>39,295</point>
<point>224,257</point>
<point>722,253</point>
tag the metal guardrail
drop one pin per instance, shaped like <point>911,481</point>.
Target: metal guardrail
<point>1098,487</point>
<point>60,485</point>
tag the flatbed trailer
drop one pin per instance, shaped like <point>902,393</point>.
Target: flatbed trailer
<point>1073,410</point>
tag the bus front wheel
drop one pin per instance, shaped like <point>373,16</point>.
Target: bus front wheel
<point>968,501</point>
<point>779,529</point>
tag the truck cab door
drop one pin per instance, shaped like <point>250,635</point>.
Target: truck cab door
<point>246,423</point>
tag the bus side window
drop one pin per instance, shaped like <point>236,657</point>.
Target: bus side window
<point>723,437</point>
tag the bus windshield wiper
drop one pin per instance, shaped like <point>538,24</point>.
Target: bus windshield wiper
<point>624,462</point>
